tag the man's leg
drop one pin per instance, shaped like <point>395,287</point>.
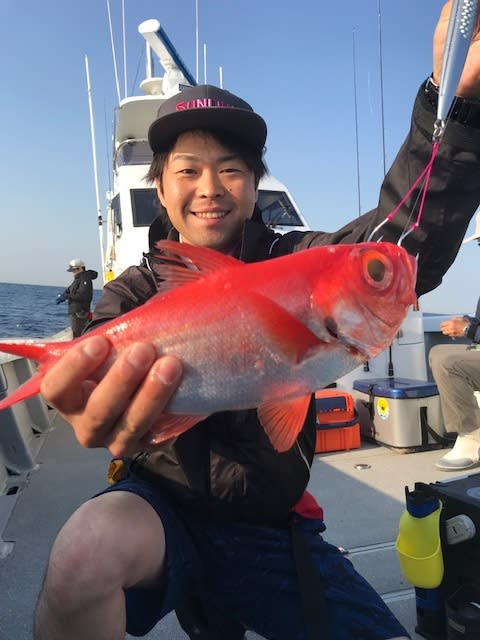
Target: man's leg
<point>456,371</point>
<point>77,324</point>
<point>112,542</point>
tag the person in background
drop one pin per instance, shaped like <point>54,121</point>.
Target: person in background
<point>216,520</point>
<point>456,371</point>
<point>78,295</point>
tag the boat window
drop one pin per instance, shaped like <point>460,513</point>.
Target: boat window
<point>117,215</point>
<point>145,206</point>
<point>133,152</point>
<point>277,209</point>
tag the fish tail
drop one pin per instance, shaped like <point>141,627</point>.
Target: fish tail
<point>31,350</point>
<point>38,351</point>
<point>24,391</point>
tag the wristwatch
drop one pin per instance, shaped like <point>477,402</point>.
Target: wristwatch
<point>466,327</point>
<point>464,110</point>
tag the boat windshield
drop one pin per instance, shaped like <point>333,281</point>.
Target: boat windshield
<point>276,208</point>
<point>133,152</point>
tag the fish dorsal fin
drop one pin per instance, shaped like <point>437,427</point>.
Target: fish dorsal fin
<point>181,263</point>
<point>283,421</point>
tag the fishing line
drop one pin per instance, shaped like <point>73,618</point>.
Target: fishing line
<point>464,20</point>
<point>424,175</point>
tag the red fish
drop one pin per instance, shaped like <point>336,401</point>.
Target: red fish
<point>262,335</point>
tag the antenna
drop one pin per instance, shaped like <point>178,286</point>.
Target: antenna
<point>113,52</point>
<point>356,121</point>
<point>205,63</point>
<point>124,48</point>
<point>94,154</point>
<point>196,41</point>
<point>380,57</point>
<point>160,44</point>
<point>220,75</point>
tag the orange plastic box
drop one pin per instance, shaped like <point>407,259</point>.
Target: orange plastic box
<point>334,405</point>
<point>338,427</point>
<point>337,438</point>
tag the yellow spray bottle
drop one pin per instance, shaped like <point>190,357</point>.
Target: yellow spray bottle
<point>418,542</point>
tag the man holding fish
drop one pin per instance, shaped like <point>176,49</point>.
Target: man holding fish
<point>207,518</point>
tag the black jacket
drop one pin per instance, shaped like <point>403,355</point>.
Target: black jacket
<point>79,294</point>
<point>226,465</point>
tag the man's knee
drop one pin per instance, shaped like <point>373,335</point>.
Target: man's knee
<point>95,554</point>
<point>441,357</point>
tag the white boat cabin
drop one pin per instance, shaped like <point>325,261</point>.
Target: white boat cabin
<point>133,204</point>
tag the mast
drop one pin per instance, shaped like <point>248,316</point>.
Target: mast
<point>380,58</point>
<point>113,52</point>
<point>124,50</point>
<point>95,170</point>
<point>196,41</point>
<point>356,122</point>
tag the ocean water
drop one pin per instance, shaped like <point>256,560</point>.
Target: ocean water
<point>28,310</point>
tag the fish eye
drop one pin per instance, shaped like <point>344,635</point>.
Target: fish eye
<point>377,269</point>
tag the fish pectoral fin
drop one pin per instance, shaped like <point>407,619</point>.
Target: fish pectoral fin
<point>291,336</point>
<point>170,426</point>
<point>283,421</point>
<point>24,391</point>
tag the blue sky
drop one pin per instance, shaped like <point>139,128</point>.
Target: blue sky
<point>292,61</point>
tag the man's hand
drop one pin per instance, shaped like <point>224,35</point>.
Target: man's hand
<point>469,85</point>
<point>454,327</point>
<point>119,410</point>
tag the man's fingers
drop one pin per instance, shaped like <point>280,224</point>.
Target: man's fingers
<point>61,386</point>
<point>146,406</point>
<point>113,394</point>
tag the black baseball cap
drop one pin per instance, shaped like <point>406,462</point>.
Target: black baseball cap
<point>206,107</point>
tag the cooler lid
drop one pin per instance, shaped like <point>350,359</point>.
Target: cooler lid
<point>396,387</point>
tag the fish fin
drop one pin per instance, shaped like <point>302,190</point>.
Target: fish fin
<point>28,389</point>
<point>28,349</point>
<point>38,351</point>
<point>183,263</point>
<point>170,426</point>
<point>283,421</point>
<point>293,338</point>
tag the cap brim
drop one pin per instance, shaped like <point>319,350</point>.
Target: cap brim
<point>246,125</point>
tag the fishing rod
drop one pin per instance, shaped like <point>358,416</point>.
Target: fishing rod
<point>461,26</point>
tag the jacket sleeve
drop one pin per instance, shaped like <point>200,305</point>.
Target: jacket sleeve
<point>452,198</point>
<point>82,293</point>
<point>129,290</point>
<point>473,332</point>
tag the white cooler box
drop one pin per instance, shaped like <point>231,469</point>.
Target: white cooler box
<point>400,413</point>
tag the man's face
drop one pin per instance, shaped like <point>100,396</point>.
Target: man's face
<point>207,190</point>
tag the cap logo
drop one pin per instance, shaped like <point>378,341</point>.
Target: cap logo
<point>202,103</point>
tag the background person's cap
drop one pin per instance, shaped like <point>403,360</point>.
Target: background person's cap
<point>76,263</point>
<point>206,107</point>
<point>476,235</point>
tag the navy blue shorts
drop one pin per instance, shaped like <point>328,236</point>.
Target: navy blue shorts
<point>247,572</point>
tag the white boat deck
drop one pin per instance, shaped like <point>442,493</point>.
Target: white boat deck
<point>362,509</point>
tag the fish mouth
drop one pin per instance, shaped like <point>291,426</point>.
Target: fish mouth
<point>332,330</point>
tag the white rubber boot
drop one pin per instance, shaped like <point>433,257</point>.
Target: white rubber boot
<point>464,454</point>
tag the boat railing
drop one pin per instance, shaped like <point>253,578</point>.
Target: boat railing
<point>23,428</point>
